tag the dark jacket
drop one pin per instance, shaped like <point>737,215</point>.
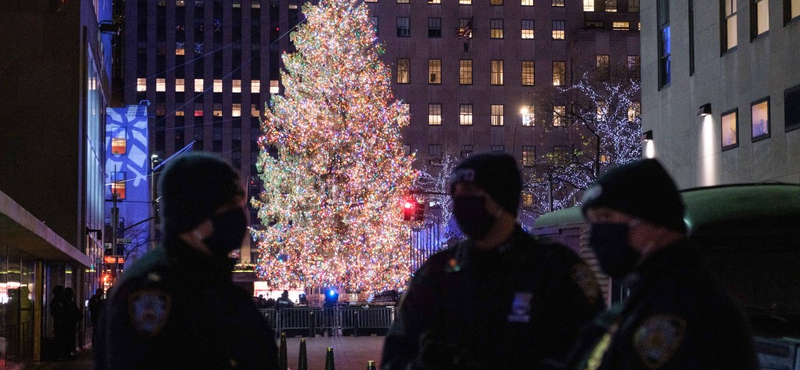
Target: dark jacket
<point>517,307</point>
<point>678,316</point>
<point>178,309</point>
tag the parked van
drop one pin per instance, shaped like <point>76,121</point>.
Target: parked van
<point>751,234</point>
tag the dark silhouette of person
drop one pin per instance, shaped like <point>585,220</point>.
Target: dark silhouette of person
<point>177,306</point>
<point>284,301</point>
<point>57,311</point>
<point>72,319</point>
<point>96,305</point>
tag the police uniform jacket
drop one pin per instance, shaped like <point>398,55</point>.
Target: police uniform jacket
<point>677,316</point>
<point>517,307</point>
<point>178,309</point>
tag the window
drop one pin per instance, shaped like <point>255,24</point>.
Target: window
<point>255,86</point>
<point>528,72</point>
<point>634,111</point>
<point>528,155</point>
<point>664,67</point>
<point>161,84</point>
<point>434,28</point>
<point>274,86</point>
<point>559,116</point>
<point>180,85</point>
<point>465,114</point>
<point>497,115</point>
<point>217,111</point>
<point>496,2</point>
<point>465,72</point>
<point>402,1</point>
<point>730,128</point>
<point>403,27</point>
<point>496,28</point>
<point>633,6</point>
<point>141,84</point>
<point>791,108</point>
<point>118,185</point>
<point>467,149</point>
<point>375,25</point>
<point>119,144</point>
<point>236,109</point>
<point>198,85</point>
<point>588,5</point>
<point>526,2</point>
<point>236,86</point>
<point>558,3</point>
<point>759,113</point>
<point>434,150</point>
<point>611,6</point>
<point>403,75</point>
<point>559,73</point>
<point>217,86</point>
<point>791,10</point>
<point>620,26</point>
<point>527,29</point>
<point>528,116</point>
<point>558,30</point>
<point>602,71</point>
<point>434,1</point>
<point>527,199</point>
<point>759,18</point>
<point>465,2</point>
<point>498,148</point>
<point>594,24</point>
<point>434,114</point>
<point>435,71</point>
<point>634,67</point>
<point>560,154</point>
<point>180,48</point>
<point>254,112</point>
<point>691,37</point>
<point>465,28</point>
<point>728,25</point>
<point>497,72</point>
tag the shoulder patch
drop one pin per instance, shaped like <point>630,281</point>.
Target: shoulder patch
<point>149,310</point>
<point>582,275</point>
<point>658,338</point>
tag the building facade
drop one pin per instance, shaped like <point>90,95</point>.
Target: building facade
<point>721,93</point>
<point>54,87</point>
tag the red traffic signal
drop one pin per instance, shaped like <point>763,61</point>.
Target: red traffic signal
<point>409,209</point>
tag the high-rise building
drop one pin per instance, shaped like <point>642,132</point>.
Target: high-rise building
<point>466,68</point>
<point>55,59</point>
<point>721,89</point>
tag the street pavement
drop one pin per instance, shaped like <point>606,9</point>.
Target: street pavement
<point>350,353</point>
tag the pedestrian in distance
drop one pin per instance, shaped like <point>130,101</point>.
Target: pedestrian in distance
<point>284,301</point>
<point>96,305</point>
<point>57,311</point>
<point>177,307</point>
<point>72,319</point>
<point>678,315</point>
<point>502,298</point>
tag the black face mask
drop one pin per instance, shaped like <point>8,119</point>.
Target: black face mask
<point>229,230</point>
<point>610,244</point>
<point>472,217</point>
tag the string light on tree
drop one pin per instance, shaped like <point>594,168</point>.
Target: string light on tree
<point>333,163</point>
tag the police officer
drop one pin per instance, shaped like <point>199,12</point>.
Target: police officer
<point>501,299</point>
<point>177,308</point>
<point>677,315</point>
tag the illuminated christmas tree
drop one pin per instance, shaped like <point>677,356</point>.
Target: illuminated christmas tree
<point>332,161</point>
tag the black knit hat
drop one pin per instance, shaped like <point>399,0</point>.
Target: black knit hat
<point>496,173</point>
<point>192,187</point>
<point>642,189</point>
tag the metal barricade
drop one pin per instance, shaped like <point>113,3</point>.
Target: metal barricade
<point>333,321</point>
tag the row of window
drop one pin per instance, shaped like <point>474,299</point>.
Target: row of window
<point>528,114</point>
<point>199,111</point>
<point>558,153</point>
<point>760,119</point>
<point>496,28</point>
<point>611,6</point>
<point>217,86</point>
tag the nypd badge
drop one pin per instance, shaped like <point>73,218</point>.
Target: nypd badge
<point>658,338</point>
<point>148,311</point>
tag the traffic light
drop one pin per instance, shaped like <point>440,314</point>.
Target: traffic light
<point>409,209</point>
<point>419,215</point>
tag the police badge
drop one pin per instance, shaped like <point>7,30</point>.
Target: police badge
<point>658,338</point>
<point>148,311</point>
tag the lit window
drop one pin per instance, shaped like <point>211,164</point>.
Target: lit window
<point>526,2</point>
<point>559,73</point>
<point>180,48</point>
<point>729,25</point>
<point>119,145</point>
<point>179,113</point>
<point>558,3</point>
<point>664,39</point>
<point>620,26</point>
<point>528,156</point>
<point>559,116</point>
<point>434,1</point>
<point>366,1</point>
<point>118,185</point>
<point>435,71</point>
<point>602,72</point>
<point>611,6</point>
<point>198,109</point>
<point>236,110</point>
<point>465,72</point>
<point>528,72</point>
<point>217,86</point>
<point>558,30</point>
<point>236,86</point>
<point>254,112</point>
<point>497,115</point>
<point>434,114</point>
<point>527,29</point>
<point>198,85</point>
<point>465,114</point>
<point>760,18</point>
<point>588,5</point>
<point>180,85</point>
<point>730,130</point>
<point>402,1</point>
<point>465,2</point>
<point>161,84</point>
<point>435,28</point>
<point>497,72</point>
<point>217,111</point>
<point>403,27</point>
<point>255,86</point>
<point>141,84</point>
<point>527,198</point>
<point>496,2</point>
<point>528,116</point>
<point>274,86</point>
<point>759,111</point>
<point>634,111</point>
<point>496,28</point>
<point>791,10</point>
<point>403,74</point>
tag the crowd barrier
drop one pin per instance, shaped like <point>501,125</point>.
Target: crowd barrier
<point>345,320</point>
